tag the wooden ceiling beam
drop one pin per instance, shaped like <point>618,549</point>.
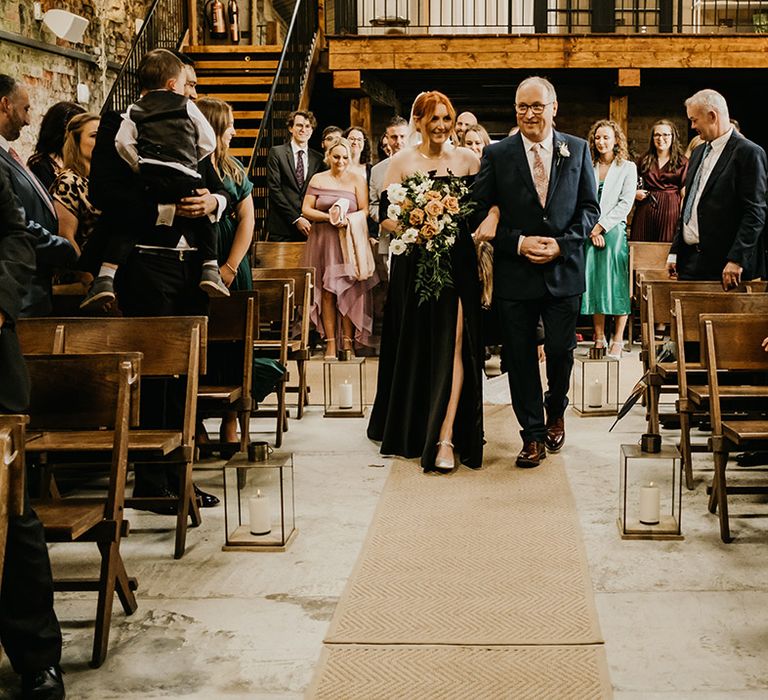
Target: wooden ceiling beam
<point>547,52</point>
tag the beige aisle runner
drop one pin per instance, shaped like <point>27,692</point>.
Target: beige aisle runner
<point>472,585</point>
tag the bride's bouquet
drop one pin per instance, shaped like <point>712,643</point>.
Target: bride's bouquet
<point>429,211</point>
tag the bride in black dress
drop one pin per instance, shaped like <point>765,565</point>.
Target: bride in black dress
<point>429,396</point>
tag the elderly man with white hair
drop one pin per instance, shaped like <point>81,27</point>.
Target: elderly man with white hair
<point>719,234</point>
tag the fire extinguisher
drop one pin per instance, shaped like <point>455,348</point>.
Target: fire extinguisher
<point>215,18</point>
<point>234,21</point>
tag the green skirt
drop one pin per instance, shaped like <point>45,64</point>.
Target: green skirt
<point>607,275</point>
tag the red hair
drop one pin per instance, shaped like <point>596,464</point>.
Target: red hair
<point>425,106</point>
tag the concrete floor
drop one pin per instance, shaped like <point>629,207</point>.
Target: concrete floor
<point>680,619</point>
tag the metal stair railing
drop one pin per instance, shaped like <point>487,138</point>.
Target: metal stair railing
<point>164,27</point>
<point>284,97</point>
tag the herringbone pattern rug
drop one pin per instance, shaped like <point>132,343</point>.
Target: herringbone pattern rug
<point>485,558</point>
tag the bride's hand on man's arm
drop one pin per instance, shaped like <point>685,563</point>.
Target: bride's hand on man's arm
<point>486,231</point>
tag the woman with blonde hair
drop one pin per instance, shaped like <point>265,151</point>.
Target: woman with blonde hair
<point>340,299</point>
<point>77,216</point>
<point>607,258</point>
<point>475,138</point>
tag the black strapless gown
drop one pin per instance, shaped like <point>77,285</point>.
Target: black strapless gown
<point>416,362</point>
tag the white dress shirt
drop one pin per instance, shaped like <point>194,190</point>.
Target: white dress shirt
<point>546,152</point>
<point>691,229</point>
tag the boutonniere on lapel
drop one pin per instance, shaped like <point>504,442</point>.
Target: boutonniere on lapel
<point>562,151</point>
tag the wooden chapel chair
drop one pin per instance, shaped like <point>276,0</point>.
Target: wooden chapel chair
<point>174,347</point>
<point>732,343</point>
<point>107,385</point>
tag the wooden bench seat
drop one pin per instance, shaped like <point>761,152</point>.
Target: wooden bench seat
<point>68,520</point>
<point>230,394</point>
<point>140,442</point>
<point>700,394</point>
<point>743,431</point>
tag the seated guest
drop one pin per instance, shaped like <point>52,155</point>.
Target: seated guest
<point>463,122</point>
<point>77,216</point>
<point>47,160</point>
<point>289,168</point>
<point>51,250</point>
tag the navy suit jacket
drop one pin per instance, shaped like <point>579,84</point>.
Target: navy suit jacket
<point>285,195</point>
<point>570,213</point>
<point>17,263</point>
<point>731,211</point>
<point>51,250</point>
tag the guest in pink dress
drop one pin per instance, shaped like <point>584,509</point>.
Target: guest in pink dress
<point>662,171</point>
<point>338,293</point>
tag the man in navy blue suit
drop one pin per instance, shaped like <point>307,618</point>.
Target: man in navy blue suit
<point>719,234</point>
<point>544,185</point>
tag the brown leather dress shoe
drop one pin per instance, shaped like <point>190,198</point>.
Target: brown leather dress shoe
<point>555,434</point>
<point>531,455</point>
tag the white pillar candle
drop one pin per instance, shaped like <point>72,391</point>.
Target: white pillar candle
<point>595,394</point>
<point>345,395</point>
<point>259,521</point>
<point>650,504</point>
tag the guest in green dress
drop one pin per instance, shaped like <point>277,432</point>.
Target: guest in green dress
<point>235,227</point>
<point>607,258</point>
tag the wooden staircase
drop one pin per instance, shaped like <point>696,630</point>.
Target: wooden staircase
<point>241,76</point>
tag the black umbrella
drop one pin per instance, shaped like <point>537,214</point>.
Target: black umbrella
<point>634,396</point>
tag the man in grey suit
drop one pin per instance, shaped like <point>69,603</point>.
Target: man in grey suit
<point>51,250</point>
<point>289,169</point>
<point>543,183</point>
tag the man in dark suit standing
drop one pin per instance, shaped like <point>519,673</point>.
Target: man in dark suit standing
<point>724,212</point>
<point>161,274</point>
<point>544,186</point>
<point>51,250</point>
<point>289,168</point>
<point>29,630</point>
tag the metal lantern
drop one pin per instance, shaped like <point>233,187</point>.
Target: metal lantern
<point>344,388</point>
<point>259,513</point>
<point>595,386</point>
<point>650,498</point>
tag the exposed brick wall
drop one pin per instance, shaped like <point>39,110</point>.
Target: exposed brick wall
<point>52,78</point>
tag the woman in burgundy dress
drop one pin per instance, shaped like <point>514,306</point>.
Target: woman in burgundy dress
<point>662,171</point>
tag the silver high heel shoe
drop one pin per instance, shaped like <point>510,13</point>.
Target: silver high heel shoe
<point>445,465</point>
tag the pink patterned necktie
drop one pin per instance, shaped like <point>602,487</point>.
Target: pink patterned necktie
<point>540,179</point>
<point>40,189</point>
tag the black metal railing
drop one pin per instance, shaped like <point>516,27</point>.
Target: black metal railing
<point>163,28</point>
<point>284,97</point>
<point>418,17</point>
